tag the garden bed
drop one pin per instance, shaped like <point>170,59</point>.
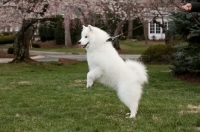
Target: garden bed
<point>189,78</point>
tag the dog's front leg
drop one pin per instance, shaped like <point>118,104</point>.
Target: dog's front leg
<point>92,76</point>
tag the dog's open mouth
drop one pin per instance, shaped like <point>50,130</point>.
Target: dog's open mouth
<point>84,46</point>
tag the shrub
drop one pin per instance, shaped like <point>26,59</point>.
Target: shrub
<point>7,33</point>
<point>59,33</point>
<point>10,50</point>
<point>46,31</point>
<point>75,30</point>
<point>34,45</point>
<point>123,37</point>
<point>140,37</point>
<point>7,39</point>
<point>158,54</point>
<point>186,60</point>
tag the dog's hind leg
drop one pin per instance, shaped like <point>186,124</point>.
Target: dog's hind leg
<point>93,75</point>
<point>130,97</point>
<point>133,110</point>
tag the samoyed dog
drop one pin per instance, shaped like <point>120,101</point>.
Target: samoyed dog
<point>106,66</point>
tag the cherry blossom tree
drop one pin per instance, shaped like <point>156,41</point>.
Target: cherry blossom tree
<point>110,14</point>
<point>25,13</point>
<point>115,15</point>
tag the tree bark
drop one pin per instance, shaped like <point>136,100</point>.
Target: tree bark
<point>130,26</point>
<point>145,30</point>
<point>23,39</point>
<point>116,32</point>
<point>22,42</point>
<point>68,41</point>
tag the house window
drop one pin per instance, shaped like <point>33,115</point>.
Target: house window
<point>157,28</point>
<point>152,27</point>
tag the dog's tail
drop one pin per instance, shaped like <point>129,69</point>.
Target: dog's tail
<point>140,69</point>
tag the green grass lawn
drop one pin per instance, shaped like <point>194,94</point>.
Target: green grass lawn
<point>53,98</point>
<point>137,47</point>
<point>66,50</point>
<point>133,47</point>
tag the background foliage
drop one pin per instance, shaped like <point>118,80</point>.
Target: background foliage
<point>186,59</point>
<point>46,31</point>
<point>7,39</point>
<point>158,54</point>
<point>59,32</point>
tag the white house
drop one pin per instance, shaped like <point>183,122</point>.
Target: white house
<point>155,32</point>
<point>9,29</point>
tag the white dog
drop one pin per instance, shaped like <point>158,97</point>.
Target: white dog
<point>105,65</point>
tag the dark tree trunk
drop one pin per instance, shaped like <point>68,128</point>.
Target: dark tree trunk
<point>68,41</point>
<point>22,42</point>
<point>168,38</point>
<point>130,27</point>
<point>145,30</point>
<point>116,32</point>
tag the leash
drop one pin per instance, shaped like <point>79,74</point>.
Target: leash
<point>113,38</point>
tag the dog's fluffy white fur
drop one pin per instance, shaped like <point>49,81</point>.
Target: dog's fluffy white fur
<point>105,65</point>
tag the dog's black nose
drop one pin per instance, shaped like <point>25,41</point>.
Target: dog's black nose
<point>79,42</point>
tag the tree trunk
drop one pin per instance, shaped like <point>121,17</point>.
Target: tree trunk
<point>22,43</point>
<point>145,30</point>
<point>116,32</point>
<point>68,42</point>
<point>130,27</point>
<point>168,38</point>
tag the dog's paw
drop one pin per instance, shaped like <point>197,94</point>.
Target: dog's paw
<point>89,85</point>
<point>129,115</point>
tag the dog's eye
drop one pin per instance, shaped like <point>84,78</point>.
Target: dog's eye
<point>85,36</point>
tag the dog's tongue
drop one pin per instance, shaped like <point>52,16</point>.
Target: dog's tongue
<point>84,46</point>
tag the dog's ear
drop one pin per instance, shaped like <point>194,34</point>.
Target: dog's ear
<point>90,27</point>
<point>83,26</point>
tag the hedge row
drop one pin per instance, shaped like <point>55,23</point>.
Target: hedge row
<point>6,39</point>
<point>158,54</point>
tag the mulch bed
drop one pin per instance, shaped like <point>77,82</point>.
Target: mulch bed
<point>51,46</point>
<point>4,55</point>
<point>123,51</point>
<point>189,78</point>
